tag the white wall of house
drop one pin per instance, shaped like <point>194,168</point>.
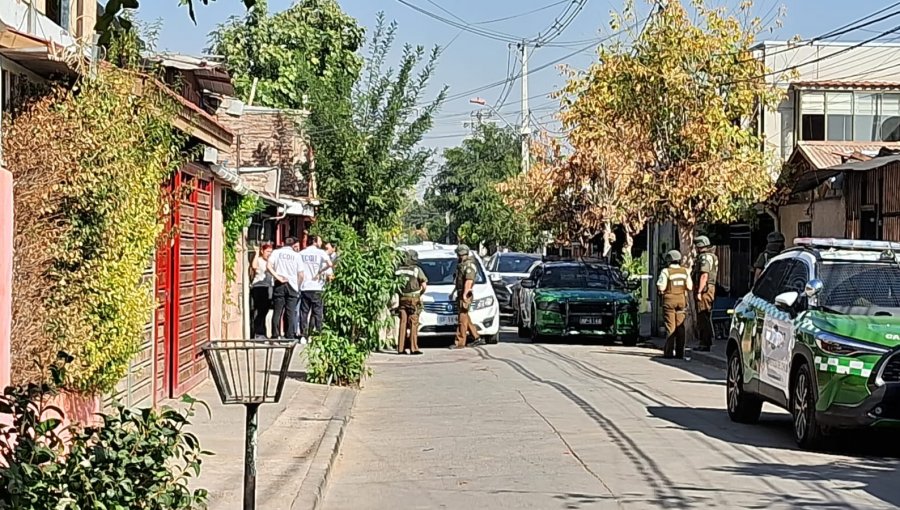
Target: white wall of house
<point>819,62</point>
<point>827,219</point>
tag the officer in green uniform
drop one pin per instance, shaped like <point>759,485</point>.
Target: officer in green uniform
<point>706,268</point>
<point>414,284</point>
<point>774,246</point>
<point>464,280</point>
<point>674,285</point>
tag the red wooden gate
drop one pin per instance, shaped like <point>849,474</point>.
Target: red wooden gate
<point>183,288</point>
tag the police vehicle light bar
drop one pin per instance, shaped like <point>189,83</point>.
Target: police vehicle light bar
<point>850,244</point>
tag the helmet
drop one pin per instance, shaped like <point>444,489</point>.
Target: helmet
<point>462,250</point>
<point>412,256</point>
<point>701,241</point>
<point>673,256</point>
<point>775,237</point>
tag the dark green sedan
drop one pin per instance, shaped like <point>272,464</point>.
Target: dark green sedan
<point>578,300</point>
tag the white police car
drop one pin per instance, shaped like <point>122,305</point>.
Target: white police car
<point>439,315</point>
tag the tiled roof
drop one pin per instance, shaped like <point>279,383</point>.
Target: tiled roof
<point>854,85</point>
<point>823,155</point>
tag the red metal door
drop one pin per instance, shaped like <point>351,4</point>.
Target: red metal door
<point>191,272</point>
<point>183,289</point>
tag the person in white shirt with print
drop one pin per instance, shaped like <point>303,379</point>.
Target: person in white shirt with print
<point>284,264</point>
<point>314,263</point>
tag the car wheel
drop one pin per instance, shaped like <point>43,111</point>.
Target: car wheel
<point>742,406</point>
<point>630,340</point>
<point>807,432</point>
<point>535,336</point>
<point>492,339</point>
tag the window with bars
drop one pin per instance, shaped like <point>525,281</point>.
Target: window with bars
<point>804,229</point>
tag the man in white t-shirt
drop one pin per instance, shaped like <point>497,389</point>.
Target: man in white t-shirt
<point>284,264</point>
<point>314,264</point>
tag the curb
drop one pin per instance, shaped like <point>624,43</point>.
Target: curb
<point>707,358</point>
<point>312,490</point>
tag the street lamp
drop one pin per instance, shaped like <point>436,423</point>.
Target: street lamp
<point>249,372</point>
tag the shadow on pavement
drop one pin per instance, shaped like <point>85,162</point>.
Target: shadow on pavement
<point>698,368</point>
<point>772,431</point>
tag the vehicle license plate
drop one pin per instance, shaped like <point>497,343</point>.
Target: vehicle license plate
<point>447,320</point>
<point>592,321</point>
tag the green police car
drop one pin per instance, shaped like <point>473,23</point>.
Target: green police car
<point>578,298</point>
<point>819,335</point>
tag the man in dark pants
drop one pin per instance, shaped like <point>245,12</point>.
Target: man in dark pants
<point>284,264</point>
<point>706,269</point>
<point>414,285</point>
<point>674,285</point>
<point>315,263</point>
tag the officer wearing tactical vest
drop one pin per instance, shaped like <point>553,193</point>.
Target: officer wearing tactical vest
<point>674,285</point>
<point>774,246</point>
<point>464,280</point>
<point>414,284</point>
<point>706,267</point>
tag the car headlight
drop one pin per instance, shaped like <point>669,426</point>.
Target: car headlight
<point>478,304</point>
<point>843,346</point>
<point>549,306</point>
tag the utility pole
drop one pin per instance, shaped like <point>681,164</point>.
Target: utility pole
<point>526,113</point>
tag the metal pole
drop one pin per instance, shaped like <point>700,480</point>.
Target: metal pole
<point>526,114</point>
<point>250,456</point>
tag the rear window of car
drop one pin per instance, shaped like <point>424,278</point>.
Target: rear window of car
<point>514,264</point>
<point>442,271</point>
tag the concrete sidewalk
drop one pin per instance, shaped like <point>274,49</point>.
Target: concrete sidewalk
<point>298,442</point>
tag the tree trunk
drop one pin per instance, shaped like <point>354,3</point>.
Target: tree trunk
<point>629,242</point>
<point>686,244</point>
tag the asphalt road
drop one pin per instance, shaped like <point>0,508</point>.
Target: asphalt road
<point>518,425</point>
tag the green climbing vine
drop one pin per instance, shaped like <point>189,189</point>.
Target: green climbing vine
<point>236,214</point>
<point>91,161</point>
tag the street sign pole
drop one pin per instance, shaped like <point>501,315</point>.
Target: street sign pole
<point>251,443</point>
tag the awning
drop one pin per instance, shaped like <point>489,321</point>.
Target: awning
<point>40,56</point>
<point>297,207</point>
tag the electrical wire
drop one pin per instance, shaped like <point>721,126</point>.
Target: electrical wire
<point>464,25</point>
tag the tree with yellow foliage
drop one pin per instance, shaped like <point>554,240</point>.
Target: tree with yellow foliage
<point>662,127</point>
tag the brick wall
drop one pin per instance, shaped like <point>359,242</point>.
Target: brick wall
<point>267,137</point>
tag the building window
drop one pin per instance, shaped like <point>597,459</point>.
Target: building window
<point>58,12</point>
<point>812,116</point>
<point>844,116</point>
<point>839,116</point>
<point>804,229</point>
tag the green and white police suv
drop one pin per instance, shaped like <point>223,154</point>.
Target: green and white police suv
<point>819,335</point>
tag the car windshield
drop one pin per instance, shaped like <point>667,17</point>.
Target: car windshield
<point>850,286</point>
<point>584,276</point>
<point>515,263</point>
<point>441,271</point>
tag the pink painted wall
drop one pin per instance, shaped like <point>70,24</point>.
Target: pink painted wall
<point>6,254</point>
<point>217,263</point>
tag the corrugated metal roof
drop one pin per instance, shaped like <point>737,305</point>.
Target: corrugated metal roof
<point>846,85</point>
<point>821,155</point>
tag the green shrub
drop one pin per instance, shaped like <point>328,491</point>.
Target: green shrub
<point>137,459</point>
<point>365,281</point>
<point>334,359</point>
<point>236,215</point>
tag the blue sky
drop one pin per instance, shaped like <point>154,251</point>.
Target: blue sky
<point>471,61</point>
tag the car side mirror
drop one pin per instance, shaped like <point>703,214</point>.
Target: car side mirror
<point>786,300</point>
<point>527,284</point>
<point>813,288</point>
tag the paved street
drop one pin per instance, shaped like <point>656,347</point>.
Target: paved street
<point>518,425</point>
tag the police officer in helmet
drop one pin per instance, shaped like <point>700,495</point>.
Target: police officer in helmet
<point>706,268</point>
<point>414,284</point>
<point>463,281</point>
<point>674,285</point>
<point>774,246</point>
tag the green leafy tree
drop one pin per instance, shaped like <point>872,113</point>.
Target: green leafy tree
<point>303,57</point>
<point>368,156</point>
<point>466,187</point>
